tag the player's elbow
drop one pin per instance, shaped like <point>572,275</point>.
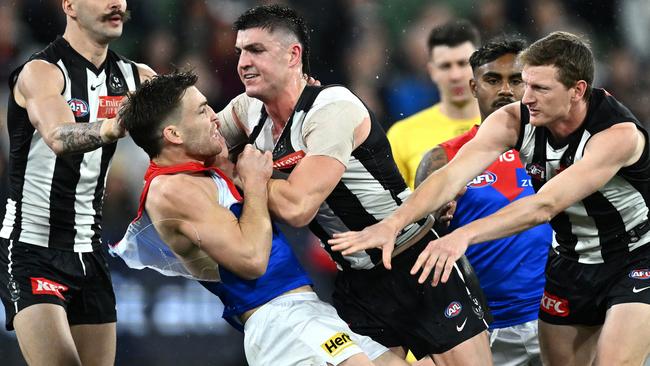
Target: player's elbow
<point>254,268</point>
<point>298,217</point>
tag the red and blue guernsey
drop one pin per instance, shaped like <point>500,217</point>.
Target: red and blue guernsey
<point>142,247</point>
<point>511,270</point>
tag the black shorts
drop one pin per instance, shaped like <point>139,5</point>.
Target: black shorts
<point>392,308</point>
<point>580,294</point>
<point>30,274</point>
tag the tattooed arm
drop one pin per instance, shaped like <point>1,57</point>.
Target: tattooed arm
<point>38,90</point>
<point>433,160</point>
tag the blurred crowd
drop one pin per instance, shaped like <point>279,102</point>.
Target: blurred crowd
<point>375,47</point>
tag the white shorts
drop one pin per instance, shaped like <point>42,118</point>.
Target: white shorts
<point>299,329</point>
<point>517,345</point>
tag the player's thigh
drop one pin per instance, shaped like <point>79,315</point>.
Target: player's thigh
<point>565,345</point>
<point>44,336</point>
<point>95,343</point>
<point>625,336</point>
<point>474,351</point>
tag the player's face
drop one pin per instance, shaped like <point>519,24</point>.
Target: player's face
<point>449,68</point>
<point>201,136</point>
<point>103,19</point>
<point>547,99</point>
<point>498,83</point>
<point>263,62</point>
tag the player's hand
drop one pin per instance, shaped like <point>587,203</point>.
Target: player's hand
<point>253,166</point>
<point>112,129</point>
<point>446,212</point>
<point>440,255</point>
<point>381,235</point>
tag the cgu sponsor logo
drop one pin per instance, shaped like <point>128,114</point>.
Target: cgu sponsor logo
<point>79,107</point>
<point>43,286</point>
<point>486,179</point>
<point>337,343</point>
<point>640,274</point>
<point>554,305</point>
<point>289,161</point>
<point>453,309</point>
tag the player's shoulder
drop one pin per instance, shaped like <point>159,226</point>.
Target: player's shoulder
<point>336,93</point>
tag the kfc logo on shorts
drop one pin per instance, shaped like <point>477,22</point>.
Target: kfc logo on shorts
<point>337,343</point>
<point>554,305</point>
<point>79,107</point>
<point>289,161</point>
<point>640,274</point>
<point>43,286</point>
<point>453,309</point>
<point>486,179</point>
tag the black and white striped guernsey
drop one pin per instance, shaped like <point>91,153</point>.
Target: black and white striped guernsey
<point>612,221</point>
<point>56,201</point>
<point>370,189</point>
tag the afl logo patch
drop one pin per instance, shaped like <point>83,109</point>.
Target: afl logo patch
<point>486,179</point>
<point>79,107</point>
<point>640,274</point>
<point>453,309</point>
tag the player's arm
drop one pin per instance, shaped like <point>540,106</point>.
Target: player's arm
<point>605,154</point>
<point>498,133</point>
<point>185,208</point>
<point>38,89</point>
<point>330,135</point>
<point>433,160</point>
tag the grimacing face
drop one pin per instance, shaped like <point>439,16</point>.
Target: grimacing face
<point>101,18</point>
<point>263,65</point>
<point>199,127</point>
<point>449,68</point>
<point>497,83</point>
<point>547,99</point>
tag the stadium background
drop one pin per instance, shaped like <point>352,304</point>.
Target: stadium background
<point>377,48</point>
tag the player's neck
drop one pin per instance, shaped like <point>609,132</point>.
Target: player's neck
<point>465,110</point>
<point>90,49</point>
<point>280,107</point>
<point>566,126</point>
<point>170,157</point>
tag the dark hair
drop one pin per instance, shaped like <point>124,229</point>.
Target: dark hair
<point>144,112</point>
<point>569,53</point>
<point>453,34</point>
<point>272,17</point>
<point>496,48</point>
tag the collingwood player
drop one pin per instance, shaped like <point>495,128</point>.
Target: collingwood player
<point>588,159</point>
<point>56,287</point>
<point>341,176</point>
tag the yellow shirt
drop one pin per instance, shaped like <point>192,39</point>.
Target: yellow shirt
<point>411,137</point>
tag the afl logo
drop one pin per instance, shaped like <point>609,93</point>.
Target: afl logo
<point>453,309</point>
<point>78,107</point>
<point>640,274</point>
<point>483,180</point>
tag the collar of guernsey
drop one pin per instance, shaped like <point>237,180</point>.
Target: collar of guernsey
<point>141,246</point>
<point>155,170</point>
